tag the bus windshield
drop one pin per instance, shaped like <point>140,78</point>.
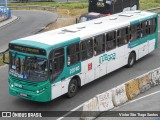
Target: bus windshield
<point>29,68</point>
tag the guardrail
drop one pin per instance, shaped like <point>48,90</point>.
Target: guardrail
<point>2,52</point>
<point>31,7</point>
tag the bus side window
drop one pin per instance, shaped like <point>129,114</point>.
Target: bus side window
<point>144,27</point>
<point>73,54</point>
<point>99,44</point>
<point>149,26</point>
<point>86,49</point>
<point>56,63</point>
<point>111,40</point>
<point>89,48</point>
<point>83,50</point>
<point>135,32</point>
<point>139,31</point>
<point>122,36</point>
<point>153,25</point>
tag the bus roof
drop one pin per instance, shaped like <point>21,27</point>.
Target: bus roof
<point>74,33</point>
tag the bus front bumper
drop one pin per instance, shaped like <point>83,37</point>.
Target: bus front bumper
<point>44,96</point>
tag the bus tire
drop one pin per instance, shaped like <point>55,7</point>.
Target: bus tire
<point>72,88</point>
<point>131,59</point>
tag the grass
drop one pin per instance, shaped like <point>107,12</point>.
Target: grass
<point>147,4</point>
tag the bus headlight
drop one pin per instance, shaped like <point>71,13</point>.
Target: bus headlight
<point>12,85</point>
<point>41,90</point>
<point>37,91</point>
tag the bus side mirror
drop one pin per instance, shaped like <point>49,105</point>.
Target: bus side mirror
<point>6,57</point>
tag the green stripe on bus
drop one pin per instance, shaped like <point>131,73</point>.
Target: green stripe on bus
<point>143,19</point>
<point>134,22</point>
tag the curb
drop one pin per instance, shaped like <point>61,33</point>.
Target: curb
<point>43,28</point>
<point>9,21</point>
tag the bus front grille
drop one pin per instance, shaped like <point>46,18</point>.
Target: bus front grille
<point>22,81</point>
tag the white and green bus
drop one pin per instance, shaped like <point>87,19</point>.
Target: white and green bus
<point>45,66</point>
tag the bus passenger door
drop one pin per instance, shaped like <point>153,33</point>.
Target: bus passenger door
<point>56,64</point>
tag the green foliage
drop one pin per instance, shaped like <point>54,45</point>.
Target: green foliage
<point>147,4</point>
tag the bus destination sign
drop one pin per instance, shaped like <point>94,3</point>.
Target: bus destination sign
<point>27,49</point>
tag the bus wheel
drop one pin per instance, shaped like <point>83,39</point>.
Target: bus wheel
<point>72,88</point>
<point>131,59</point>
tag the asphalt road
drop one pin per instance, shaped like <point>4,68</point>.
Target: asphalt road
<point>29,23</point>
<point>8,102</point>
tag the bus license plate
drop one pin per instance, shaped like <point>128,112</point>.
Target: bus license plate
<point>22,94</point>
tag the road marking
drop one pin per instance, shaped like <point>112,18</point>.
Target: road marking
<point>70,111</point>
<point>137,99</point>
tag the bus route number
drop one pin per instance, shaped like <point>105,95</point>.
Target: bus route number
<point>75,69</point>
